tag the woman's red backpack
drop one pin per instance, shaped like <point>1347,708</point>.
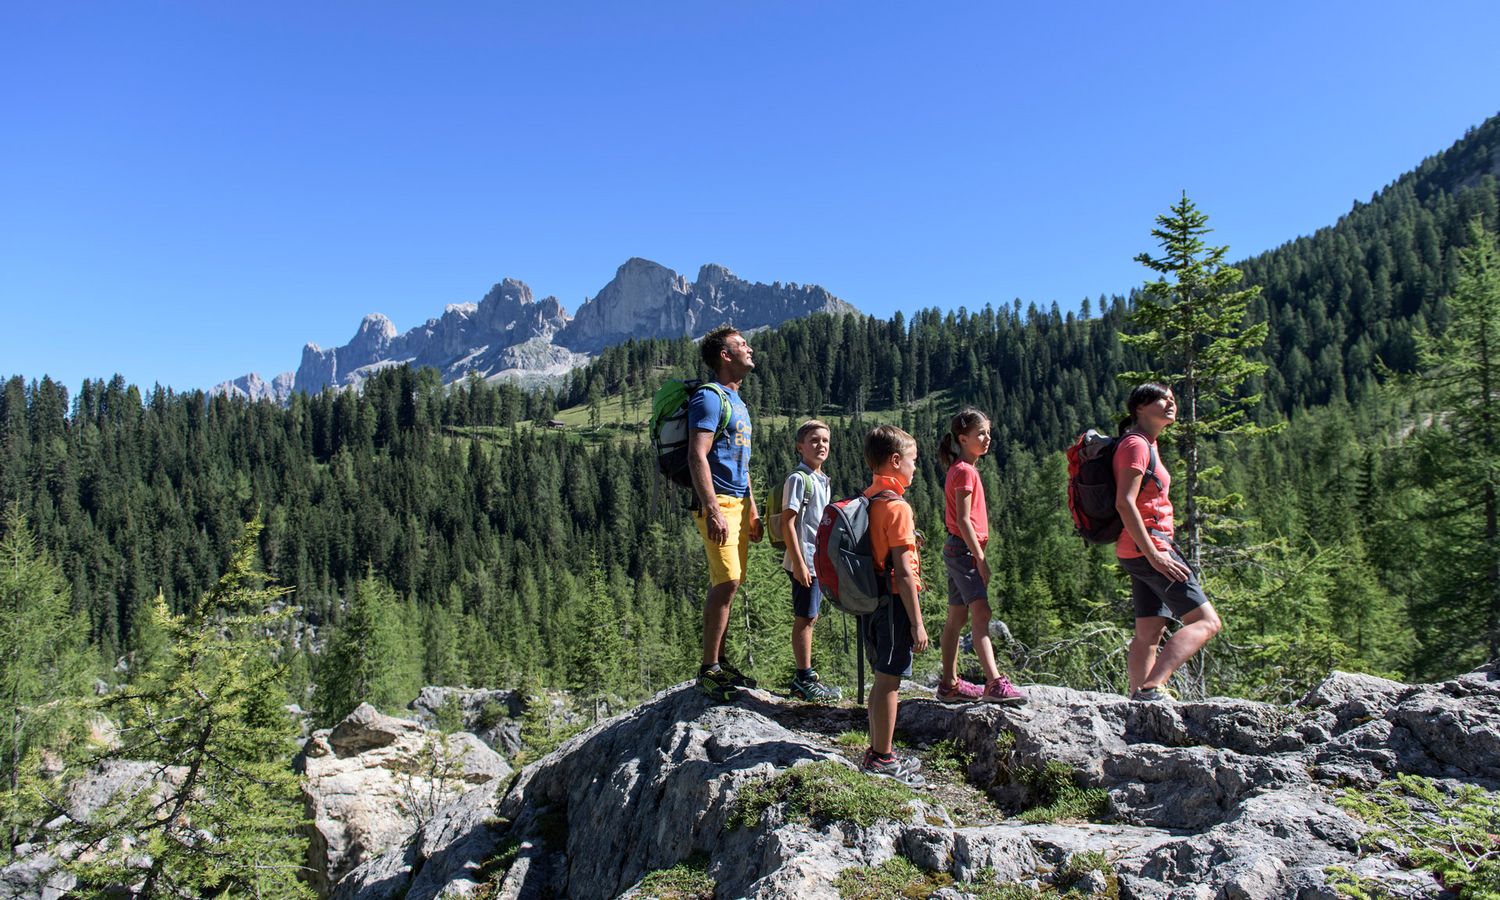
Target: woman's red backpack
<point>1091,486</point>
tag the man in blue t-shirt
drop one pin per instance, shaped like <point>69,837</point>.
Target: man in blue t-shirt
<point>719,462</point>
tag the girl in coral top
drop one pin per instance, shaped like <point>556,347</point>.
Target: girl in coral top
<point>1162,586</point>
<point>968,523</point>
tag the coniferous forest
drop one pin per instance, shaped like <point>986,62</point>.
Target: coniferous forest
<point>430,534</point>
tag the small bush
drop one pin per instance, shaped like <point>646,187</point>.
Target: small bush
<point>1058,796</point>
<point>1080,865</point>
<point>947,758</point>
<point>1454,837</point>
<point>821,793</point>
<point>687,880</point>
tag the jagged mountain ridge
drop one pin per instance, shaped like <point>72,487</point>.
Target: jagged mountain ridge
<point>509,334</point>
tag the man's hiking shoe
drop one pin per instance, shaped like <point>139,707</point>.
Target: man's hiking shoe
<point>892,767</point>
<point>1000,690</point>
<point>736,677</point>
<point>812,690</point>
<point>718,686</point>
<point>1151,695</point>
<point>960,691</point>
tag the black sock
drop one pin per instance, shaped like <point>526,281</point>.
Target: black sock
<point>883,757</point>
<point>711,667</point>
<point>804,674</point>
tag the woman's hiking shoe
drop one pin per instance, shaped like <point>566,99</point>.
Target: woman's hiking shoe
<point>892,767</point>
<point>812,690</point>
<point>718,686</point>
<point>1000,690</point>
<point>960,691</point>
<point>736,677</point>
<point>1151,695</point>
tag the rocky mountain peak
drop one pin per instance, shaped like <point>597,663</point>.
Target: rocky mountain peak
<point>509,333</point>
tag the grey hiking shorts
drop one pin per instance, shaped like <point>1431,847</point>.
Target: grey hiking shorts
<point>964,584</point>
<point>1154,594</point>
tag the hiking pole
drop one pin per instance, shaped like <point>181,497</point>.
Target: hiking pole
<point>860,649</point>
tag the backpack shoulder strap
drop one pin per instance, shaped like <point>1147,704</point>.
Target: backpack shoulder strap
<point>1150,456</point>
<point>724,411</point>
<point>807,484</point>
<point>1151,466</point>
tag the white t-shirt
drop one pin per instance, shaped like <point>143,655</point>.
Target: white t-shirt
<point>809,510</point>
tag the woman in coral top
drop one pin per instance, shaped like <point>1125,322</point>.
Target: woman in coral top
<point>1162,586</point>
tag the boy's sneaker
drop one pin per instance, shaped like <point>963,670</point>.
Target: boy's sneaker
<point>960,691</point>
<point>718,686</point>
<point>1000,690</point>
<point>1151,695</point>
<point>892,767</point>
<point>813,690</point>
<point>736,677</point>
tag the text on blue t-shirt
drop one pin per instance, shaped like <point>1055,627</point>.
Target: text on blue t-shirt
<point>729,457</point>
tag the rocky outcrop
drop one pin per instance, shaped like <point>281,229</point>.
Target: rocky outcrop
<point>493,716</point>
<point>507,334</point>
<point>1213,799</point>
<point>372,779</point>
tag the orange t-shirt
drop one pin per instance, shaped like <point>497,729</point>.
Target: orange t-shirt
<point>892,525</point>
<point>1155,507</point>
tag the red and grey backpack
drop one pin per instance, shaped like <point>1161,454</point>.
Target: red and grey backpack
<point>844,560</point>
<point>1091,486</point>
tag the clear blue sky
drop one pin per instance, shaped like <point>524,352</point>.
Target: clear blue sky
<point>190,191</point>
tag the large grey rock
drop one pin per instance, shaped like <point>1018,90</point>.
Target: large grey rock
<point>372,779</point>
<point>1216,799</point>
<point>491,715</point>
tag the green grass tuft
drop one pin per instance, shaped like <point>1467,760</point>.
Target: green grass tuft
<point>688,880</point>
<point>896,879</point>
<point>1058,796</point>
<point>822,793</point>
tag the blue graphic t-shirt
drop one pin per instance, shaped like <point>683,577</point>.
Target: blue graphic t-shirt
<point>729,457</point>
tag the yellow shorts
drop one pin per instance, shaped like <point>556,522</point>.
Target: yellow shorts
<point>727,561</point>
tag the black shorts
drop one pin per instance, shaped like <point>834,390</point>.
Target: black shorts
<point>887,636</point>
<point>1154,594</point>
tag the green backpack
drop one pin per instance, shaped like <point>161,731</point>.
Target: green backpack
<point>774,504</point>
<point>669,426</point>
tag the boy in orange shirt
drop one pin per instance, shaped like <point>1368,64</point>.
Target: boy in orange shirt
<point>893,632</point>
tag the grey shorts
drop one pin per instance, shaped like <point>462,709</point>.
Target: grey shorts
<point>964,584</point>
<point>1154,594</point>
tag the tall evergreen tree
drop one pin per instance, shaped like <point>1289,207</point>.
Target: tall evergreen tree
<point>43,665</point>
<point>1192,322</point>
<point>1461,369</point>
<point>369,658</point>
<point>221,811</point>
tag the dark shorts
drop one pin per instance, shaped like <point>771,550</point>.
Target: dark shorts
<point>1155,594</point>
<point>806,601</point>
<point>964,584</point>
<point>887,635</point>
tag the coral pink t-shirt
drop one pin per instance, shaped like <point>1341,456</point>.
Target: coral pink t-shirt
<point>1134,454</point>
<point>962,476</point>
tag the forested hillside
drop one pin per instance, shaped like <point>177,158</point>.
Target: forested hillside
<point>495,549</point>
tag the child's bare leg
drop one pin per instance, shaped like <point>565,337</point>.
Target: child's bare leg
<point>802,633</point>
<point>984,648</point>
<point>884,701</point>
<point>953,629</point>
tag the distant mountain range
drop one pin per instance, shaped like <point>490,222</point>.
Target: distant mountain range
<point>509,335</point>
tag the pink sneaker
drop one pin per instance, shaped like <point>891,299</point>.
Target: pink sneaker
<point>959,692</point>
<point>1000,690</point>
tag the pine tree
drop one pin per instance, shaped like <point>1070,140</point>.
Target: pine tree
<point>222,811</point>
<point>1461,370</point>
<point>368,658</point>
<point>1191,321</point>
<point>43,665</point>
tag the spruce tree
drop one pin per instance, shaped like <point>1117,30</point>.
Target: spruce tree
<point>43,667</point>
<point>221,812</point>
<point>1191,321</point>
<point>1461,370</point>
<point>369,657</point>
